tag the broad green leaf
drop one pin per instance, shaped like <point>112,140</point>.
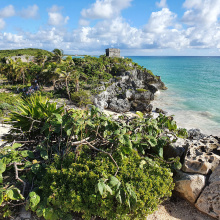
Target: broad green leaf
<point>108,189</point>
<point>1,178</point>
<point>44,154</point>
<point>126,150</point>
<point>34,200</point>
<point>105,133</point>
<point>127,141</point>
<point>27,153</point>
<point>69,131</point>
<point>2,167</point>
<point>117,132</point>
<point>58,118</point>
<point>50,214</point>
<point>35,168</point>
<point>151,140</point>
<point>178,165</point>
<point>113,181</point>
<point>101,187</point>
<point>1,197</point>
<point>16,145</point>
<point>123,131</point>
<point>133,198</point>
<point>160,152</point>
<point>14,194</point>
<point>40,212</point>
<point>128,187</point>
<point>140,114</point>
<point>118,196</point>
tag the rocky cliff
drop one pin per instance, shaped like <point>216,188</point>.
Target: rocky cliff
<point>129,90</point>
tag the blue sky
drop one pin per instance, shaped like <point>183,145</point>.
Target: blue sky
<point>137,27</point>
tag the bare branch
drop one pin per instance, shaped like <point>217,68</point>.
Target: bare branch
<point>17,177</point>
<point>76,143</point>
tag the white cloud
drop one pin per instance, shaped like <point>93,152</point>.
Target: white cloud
<point>2,23</point>
<point>201,12</point>
<point>55,16</point>
<point>162,4</point>
<point>105,9</point>
<point>160,20</point>
<point>164,31</point>
<point>84,22</point>
<point>30,12</point>
<point>8,11</point>
<point>12,37</point>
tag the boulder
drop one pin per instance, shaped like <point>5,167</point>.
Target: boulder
<point>189,186</point>
<point>120,105</point>
<point>144,96</point>
<point>195,134</point>
<point>202,156</point>
<point>159,110</point>
<point>209,200</point>
<point>24,214</point>
<point>141,106</point>
<point>176,149</point>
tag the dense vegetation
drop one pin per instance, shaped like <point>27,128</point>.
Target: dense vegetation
<point>75,78</point>
<point>66,162</point>
<point>60,163</point>
<point>26,52</point>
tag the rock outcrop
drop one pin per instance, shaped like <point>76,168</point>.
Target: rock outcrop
<point>199,179</point>
<point>129,90</point>
<point>189,186</point>
<point>202,156</point>
<point>209,200</point>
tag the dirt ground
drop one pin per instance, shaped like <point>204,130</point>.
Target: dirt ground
<point>177,209</point>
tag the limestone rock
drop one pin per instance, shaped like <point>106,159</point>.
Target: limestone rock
<point>189,186</point>
<point>141,106</point>
<point>120,105</point>
<point>176,149</point>
<point>195,134</point>
<point>202,156</point>
<point>159,110</point>
<point>24,214</point>
<point>124,86</point>
<point>209,200</point>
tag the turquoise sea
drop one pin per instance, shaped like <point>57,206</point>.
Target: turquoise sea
<point>193,94</point>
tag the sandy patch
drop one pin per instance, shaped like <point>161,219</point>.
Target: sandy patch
<point>4,129</point>
<point>177,209</point>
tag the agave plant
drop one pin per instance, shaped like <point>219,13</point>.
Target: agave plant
<point>32,113</point>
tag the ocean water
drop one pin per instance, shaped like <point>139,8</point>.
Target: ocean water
<point>193,94</point>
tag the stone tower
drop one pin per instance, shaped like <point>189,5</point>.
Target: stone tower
<point>112,52</point>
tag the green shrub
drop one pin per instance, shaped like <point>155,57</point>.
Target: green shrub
<point>150,72</point>
<point>84,183</point>
<point>81,98</point>
<point>7,102</point>
<point>33,112</point>
<point>141,90</point>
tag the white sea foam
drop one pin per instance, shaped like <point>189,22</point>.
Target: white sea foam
<point>185,118</point>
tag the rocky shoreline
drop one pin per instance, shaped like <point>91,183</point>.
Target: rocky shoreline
<point>129,91</point>
<point>198,181</point>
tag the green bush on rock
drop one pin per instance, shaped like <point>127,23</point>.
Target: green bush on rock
<point>86,184</point>
<point>83,161</point>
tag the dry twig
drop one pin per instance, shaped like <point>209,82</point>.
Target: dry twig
<point>17,177</point>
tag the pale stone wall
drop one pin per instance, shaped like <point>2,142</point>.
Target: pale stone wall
<point>23,58</point>
<point>112,52</point>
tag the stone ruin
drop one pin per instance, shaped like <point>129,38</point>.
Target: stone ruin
<point>112,52</point>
